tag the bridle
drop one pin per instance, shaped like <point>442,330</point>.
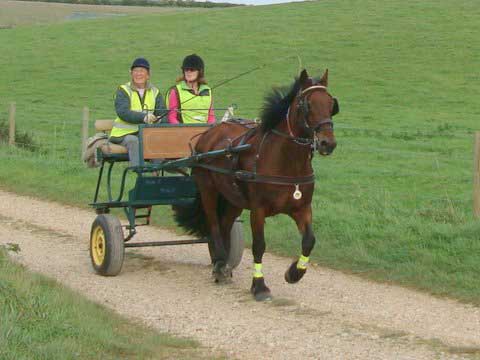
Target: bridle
<point>304,108</point>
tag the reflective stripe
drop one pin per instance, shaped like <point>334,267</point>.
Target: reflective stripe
<point>302,262</point>
<point>125,126</point>
<point>194,108</point>
<point>121,127</point>
<point>257,273</point>
<point>128,89</point>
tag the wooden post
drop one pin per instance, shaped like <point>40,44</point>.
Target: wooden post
<point>476,176</point>
<point>11,131</point>
<point>84,130</point>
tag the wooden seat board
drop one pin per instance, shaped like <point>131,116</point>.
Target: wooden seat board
<point>170,142</point>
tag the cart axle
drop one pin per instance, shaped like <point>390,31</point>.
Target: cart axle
<point>165,243</point>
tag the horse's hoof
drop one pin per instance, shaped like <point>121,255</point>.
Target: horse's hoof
<point>222,273</point>
<point>293,274</point>
<point>260,291</point>
<point>263,296</point>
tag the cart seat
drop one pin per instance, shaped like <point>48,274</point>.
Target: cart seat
<point>109,150</point>
<point>164,142</point>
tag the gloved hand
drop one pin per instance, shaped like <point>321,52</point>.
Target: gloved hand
<point>149,119</point>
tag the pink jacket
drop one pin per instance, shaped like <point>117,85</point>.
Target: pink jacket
<point>174,105</point>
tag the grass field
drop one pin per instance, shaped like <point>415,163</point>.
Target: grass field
<point>394,201</point>
<point>21,13</point>
<point>40,319</point>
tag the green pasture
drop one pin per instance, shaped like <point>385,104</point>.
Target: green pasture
<point>43,320</point>
<point>393,203</point>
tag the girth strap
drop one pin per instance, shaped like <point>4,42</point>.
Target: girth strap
<point>249,176</point>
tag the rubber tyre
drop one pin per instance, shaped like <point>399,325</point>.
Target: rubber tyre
<point>107,248</point>
<point>237,245</point>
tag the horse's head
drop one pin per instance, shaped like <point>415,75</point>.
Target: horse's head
<point>315,108</point>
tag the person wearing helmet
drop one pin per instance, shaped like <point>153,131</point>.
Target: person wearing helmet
<point>190,101</point>
<point>136,102</point>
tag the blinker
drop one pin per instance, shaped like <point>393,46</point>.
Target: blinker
<point>336,107</point>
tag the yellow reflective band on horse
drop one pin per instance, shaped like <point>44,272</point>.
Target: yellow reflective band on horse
<point>303,262</point>
<point>257,273</point>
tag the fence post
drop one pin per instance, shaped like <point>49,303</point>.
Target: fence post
<point>84,130</point>
<point>476,176</point>
<point>11,131</point>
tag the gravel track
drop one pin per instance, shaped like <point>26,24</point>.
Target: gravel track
<point>328,315</point>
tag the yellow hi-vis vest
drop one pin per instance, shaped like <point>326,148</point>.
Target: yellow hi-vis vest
<point>194,108</point>
<point>121,127</point>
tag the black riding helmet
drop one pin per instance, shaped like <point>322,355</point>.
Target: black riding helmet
<point>193,62</point>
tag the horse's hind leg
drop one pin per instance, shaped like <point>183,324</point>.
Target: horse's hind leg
<point>298,268</point>
<point>210,197</point>
<point>257,221</point>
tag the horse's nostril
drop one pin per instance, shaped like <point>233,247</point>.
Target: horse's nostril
<point>323,143</point>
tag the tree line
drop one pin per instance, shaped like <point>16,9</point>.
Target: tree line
<point>165,3</point>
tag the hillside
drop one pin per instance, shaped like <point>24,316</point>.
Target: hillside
<point>393,202</point>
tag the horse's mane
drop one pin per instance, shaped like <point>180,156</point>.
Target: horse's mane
<point>276,105</point>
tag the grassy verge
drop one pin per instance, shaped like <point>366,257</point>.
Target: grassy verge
<point>392,203</point>
<point>40,319</point>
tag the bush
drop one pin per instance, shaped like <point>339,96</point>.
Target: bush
<point>23,140</point>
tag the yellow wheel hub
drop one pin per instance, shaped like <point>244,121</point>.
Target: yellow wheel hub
<point>98,246</point>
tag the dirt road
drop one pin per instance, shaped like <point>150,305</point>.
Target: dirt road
<point>328,315</point>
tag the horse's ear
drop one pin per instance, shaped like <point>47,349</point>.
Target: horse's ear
<point>324,79</point>
<point>303,79</point>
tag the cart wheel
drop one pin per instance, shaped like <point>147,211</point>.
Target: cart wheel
<point>237,245</point>
<point>106,245</point>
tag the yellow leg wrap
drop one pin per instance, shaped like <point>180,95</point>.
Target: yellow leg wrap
<point>257,273</point>
<point>302,262</point>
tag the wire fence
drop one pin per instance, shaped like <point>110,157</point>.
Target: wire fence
<point>438,161</point>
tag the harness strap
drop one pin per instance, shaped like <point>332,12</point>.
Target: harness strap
<point>297,140</point>
<point>249,176</point>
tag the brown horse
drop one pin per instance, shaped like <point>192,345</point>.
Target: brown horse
<point>273,176</point>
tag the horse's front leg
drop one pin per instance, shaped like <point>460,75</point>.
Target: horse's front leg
<point>297,269</point>
<point>257,222</point>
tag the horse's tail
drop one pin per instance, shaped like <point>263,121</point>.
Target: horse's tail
<point>192,217</point>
